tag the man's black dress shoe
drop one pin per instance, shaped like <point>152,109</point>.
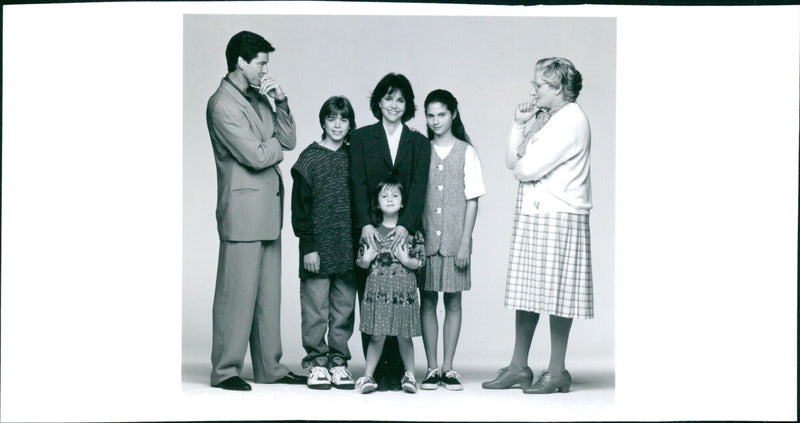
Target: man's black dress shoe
<point>292,379</point>
<point>234,384</point>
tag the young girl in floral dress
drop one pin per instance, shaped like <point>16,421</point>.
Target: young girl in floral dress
<point>390,306</point>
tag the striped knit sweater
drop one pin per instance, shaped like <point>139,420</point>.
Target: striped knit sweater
<point>321,216</point>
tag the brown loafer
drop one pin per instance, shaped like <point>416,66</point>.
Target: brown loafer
<point>549,383</point>
<point>507,378</point>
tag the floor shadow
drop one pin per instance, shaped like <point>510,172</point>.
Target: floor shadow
<point>195,372</point>
<point>594,379</point>
<point>582,378</point>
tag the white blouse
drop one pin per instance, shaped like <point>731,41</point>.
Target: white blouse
<point>394,140</point>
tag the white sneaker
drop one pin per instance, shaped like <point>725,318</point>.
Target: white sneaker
<point>341,378</point>
<point>409,383</point>
<point>366,384</point>
<point>319,378</point>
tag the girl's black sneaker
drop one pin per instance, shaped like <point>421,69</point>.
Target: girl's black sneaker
<point>452,380</point>
<point>432,379</point>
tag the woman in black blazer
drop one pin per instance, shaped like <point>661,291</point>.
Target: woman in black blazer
<point>377,151</point>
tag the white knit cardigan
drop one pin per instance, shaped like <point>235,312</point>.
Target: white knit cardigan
<point>555,167</point>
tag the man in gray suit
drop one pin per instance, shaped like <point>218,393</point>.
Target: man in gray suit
<point>248,137</point>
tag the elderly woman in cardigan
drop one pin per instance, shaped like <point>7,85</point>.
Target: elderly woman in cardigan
<point>550,269</point>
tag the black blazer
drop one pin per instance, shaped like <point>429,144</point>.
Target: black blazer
<point>371,163</point>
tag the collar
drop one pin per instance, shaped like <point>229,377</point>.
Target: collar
<point>248,95</point>
<point>553,111</point>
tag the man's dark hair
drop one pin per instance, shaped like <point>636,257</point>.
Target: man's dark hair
<point>246,45</point>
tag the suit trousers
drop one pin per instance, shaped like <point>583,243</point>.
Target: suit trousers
<point>327,304</point>
<point>247,307</point>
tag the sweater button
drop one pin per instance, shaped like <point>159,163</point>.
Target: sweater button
<point>440,187</point>
<point>441,167</point>
<point>438,210</point>
<point>438,233</point>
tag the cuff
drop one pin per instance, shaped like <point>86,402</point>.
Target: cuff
<point>306,246</point>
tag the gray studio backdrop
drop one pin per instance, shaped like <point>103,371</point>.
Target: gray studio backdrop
<point>486,62</point>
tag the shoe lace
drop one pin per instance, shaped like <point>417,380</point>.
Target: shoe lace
<point>341,373</point>
<point>409,377</point>
<point>452,374</point>
<point>319,372</point>
<point>432,373</point>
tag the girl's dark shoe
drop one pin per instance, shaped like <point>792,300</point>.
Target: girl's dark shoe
<point>507,378</point>
<point>549,383</point>
<point>452,381</point>
<point>432,379</point>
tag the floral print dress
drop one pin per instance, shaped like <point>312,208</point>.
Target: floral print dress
<point>391,304</point>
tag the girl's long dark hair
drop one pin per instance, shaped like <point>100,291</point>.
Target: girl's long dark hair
<point>450,102</point>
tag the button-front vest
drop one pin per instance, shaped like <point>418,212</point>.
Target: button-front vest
<point>445,204</point>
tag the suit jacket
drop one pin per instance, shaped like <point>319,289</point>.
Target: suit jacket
<point>247,150</point>
<point>371,163</point>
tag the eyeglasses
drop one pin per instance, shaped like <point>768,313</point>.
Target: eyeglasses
<point>537,86</point>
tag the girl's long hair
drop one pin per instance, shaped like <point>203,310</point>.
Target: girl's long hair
<point>450,102</point>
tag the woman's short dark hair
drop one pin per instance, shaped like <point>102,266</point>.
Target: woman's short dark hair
<point>388,85</point>
<point>449,101</point>
<point>337,105</point>
<point>390,182</point>
<point>246,45</point>
<point>560,72</point>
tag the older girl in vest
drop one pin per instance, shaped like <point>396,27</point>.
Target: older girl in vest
<point>455,182</point>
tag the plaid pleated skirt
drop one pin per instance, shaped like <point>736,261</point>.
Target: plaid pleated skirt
<point>550,264</point>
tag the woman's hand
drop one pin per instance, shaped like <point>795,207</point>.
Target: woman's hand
<point>370,252</point>
<point>401,252</point>
<point>369,235</point>
<point>462,256</point>
<point>311,262</point>
<point>524,112</point>
<point>400,234</point>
